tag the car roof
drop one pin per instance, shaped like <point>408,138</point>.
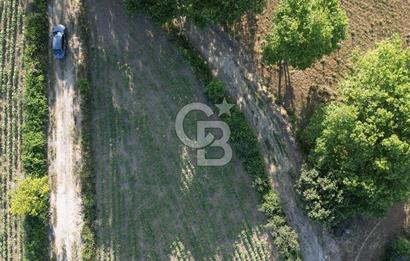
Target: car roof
<point>57,42</point>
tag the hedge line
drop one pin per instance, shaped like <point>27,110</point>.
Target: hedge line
<point>35,120</point>
<point>245,144</point>
<point>86,173</point>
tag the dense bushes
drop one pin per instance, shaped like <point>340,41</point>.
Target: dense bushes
<point>284,237</point>
<point>245,145</point>
<point>31,200</point>
<point>243,140</point>
<point>399,249</point>
<point>35,104</point>
<point>359,163</point>
<point>34,138</point>
<point>197,11</point>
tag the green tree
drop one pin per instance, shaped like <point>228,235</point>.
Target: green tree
<point>31,197</point>
<point>304,31</point>
<point>362,143</point>
<point>198,11</point>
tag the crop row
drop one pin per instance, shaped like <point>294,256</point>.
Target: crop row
<point>11,47</point>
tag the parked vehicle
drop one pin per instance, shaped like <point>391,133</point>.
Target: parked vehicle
<point>59,41</point>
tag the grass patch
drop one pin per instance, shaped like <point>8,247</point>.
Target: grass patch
<point>245,144</point>
<point>154,202</point>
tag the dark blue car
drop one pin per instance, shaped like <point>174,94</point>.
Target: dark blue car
<point>59,41</point>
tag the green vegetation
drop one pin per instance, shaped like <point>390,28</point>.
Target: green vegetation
<point>35,118</point>
<point>399,249</point>
<point>31,197</point>
<point>86,173</point>
<point>197,11</point>
<point>304,31</point>
<point>360,156</point>
<point>11,47</point>
<point>35,104</point>
<point>284,237</point>
<point>245,144</point>
<point>153,201</point>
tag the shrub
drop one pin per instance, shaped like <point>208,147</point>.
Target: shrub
<point>215,91</point>
<point>284,237</point>
<point>33,136</point>
<point>31,197</point>
<point>199,12</point>
<point>399,249</point>
<point>321,194</point>
<point>36,243</point>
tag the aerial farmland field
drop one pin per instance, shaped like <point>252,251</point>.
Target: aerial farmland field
<point>153,202</point>
<point>11,46</point>
<point>204,130</point>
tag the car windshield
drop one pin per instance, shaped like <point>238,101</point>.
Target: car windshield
<point>57,42</point>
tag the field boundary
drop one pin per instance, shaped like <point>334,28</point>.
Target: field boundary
<point>35,122</point>
<point>86,173</point>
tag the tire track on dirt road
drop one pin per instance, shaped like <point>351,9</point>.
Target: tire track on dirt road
<point>64,150</point>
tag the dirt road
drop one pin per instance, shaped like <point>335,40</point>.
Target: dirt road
<point>64,152</point>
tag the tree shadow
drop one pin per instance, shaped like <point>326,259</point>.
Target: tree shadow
<point>317,96</point>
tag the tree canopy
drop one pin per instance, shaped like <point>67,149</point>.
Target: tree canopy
<point>31,197</point>
<point>360,160</point>
<point>198,11</point>
<point>304,31</point>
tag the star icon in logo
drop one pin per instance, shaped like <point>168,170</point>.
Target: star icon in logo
<point>224,108</point>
